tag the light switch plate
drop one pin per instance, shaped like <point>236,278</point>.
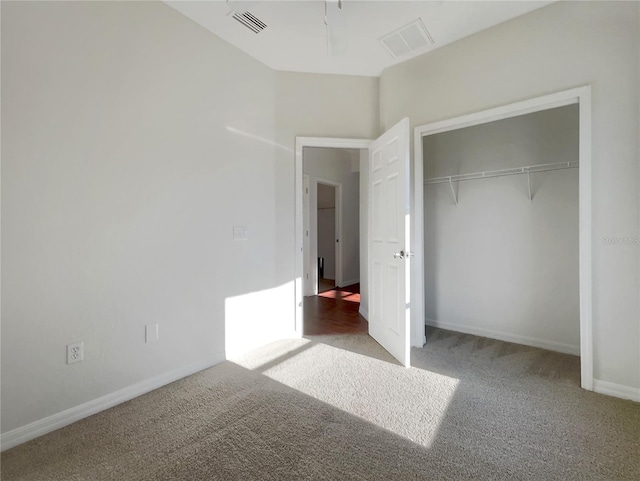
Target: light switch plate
<point>240,232</point>
<point>151,333</point>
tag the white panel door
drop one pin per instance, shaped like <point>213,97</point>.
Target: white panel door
<point>389,255</point>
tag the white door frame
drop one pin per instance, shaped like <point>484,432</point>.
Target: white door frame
<point>580,96</point>
<point>338,233</point>
<point>301,143</point>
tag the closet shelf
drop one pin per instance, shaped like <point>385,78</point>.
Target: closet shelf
<point>502,172</point>
<point>529,169</point>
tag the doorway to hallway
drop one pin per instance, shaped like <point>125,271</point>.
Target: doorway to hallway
<point>332,240</point>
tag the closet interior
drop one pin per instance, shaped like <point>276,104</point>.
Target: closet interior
<point>501,229</point>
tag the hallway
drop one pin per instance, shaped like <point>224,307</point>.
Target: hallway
<point>334,312</point>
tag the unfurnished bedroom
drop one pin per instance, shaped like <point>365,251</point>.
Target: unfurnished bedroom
<point>320,240</point>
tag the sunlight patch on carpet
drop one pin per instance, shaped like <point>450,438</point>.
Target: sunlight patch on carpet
<point>354,377</point>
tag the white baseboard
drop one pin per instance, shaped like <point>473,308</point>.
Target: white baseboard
<point>507,337</point>
<point>350,282</point>
<point>59,420</point>
<point>363,312</point>
<point>616,390</point>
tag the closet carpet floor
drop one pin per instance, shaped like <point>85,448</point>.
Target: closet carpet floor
<point>339,407</point>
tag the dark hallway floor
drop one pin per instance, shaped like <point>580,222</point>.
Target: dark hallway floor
<point>334,312</point>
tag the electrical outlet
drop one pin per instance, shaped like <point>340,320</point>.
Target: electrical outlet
<point>75,352</point>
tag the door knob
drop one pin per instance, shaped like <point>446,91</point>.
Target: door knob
<point>398,255</point>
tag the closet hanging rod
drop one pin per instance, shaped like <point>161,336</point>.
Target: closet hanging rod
<point>502,172</point>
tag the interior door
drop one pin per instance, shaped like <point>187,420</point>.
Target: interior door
<point>389,254</point>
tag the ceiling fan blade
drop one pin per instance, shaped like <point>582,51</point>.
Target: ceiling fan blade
<point>336,21</point>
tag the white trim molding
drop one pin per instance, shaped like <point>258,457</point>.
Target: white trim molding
<point>616,390</point>
<point>59,420</point>
<point>507,337</point>
<point>363,312</point>
<point>582,97</point>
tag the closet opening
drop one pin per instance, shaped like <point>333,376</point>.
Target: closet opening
<point>328,207</point>
<point>506,210</point>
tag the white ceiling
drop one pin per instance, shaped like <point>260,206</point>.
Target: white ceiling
<point>295,38</point>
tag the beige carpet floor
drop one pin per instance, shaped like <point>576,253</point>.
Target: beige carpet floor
<point>338,407</point>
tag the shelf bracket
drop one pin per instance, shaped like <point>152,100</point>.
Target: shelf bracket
<point>530,191</point>
<point>453,192</point>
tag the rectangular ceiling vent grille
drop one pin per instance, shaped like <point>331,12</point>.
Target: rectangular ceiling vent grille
<point>250,21</point>
<point>413,36</point>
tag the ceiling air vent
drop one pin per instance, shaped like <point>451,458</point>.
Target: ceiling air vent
<point>250,21</point>
<point>411,37</point>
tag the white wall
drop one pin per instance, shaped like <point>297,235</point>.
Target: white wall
<point>549,50</point>
<point>336,165</point>
<point>128,133</point>
<point>497,264</point>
